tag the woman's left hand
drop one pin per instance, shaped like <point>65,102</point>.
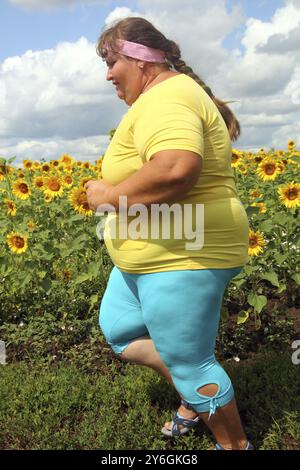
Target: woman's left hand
<point>98,193</point>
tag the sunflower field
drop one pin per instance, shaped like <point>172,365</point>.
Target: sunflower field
<point>51,260</point>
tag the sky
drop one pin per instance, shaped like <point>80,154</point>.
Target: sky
<point>54,97</point>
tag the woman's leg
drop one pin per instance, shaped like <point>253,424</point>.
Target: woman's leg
<point>225,424</point>
<point>122,322</point>
<point>183,324</point>
<point>142,352</point>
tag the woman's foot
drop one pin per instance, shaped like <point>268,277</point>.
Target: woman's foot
<point>184,420</point>
<point>243,445</point>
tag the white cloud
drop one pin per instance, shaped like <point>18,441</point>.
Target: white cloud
<point>283,43</point>
<point>85,149</point>
<point>119,13</point>
<point>50,4</point>
<point>61,92</point>
<point>259,32</point>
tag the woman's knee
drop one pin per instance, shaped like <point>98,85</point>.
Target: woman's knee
<point>139,351</point>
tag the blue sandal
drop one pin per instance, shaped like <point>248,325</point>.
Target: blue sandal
<point>249,446</point>
<point>180,421</point>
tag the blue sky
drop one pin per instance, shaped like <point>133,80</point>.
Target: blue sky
<point>23,29</point>
<point>54,97</point>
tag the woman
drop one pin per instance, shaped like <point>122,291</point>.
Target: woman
<point>173,149</point>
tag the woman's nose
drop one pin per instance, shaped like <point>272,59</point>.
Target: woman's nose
<point>109,75</point>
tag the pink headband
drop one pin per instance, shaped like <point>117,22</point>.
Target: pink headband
<point>139,51</point>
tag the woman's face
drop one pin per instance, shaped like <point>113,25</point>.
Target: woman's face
<point>125,75</point>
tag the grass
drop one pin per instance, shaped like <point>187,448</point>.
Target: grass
<point>63,406</point>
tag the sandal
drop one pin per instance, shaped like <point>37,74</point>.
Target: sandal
<point>180,421</point>
<point>249,446</point>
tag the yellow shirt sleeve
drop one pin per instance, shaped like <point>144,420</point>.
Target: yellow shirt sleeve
<point>167,126</point>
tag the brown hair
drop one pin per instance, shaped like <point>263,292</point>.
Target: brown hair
<point>141,31</point>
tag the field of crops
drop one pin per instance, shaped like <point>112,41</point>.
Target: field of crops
<point>49,242</point>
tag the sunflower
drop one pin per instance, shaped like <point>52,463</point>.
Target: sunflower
<point>84,180</point>
<point>291,145</point>
<point>28,164</point>
<point>67,159</point>
<point>68,168</point>
<point>78,199</point>
<point>99,162</point>
<point>48,198</point>
<point>54,163</point>
<point>281,166</point>
<point>11,207</point>
<point>46,167</point>
<point>254,194</point>
<point>242,169</point>
<point>268,169</point>
<point>53,186</point>
<point>38,183</point>
<point>17,242</point>
<point>5,170</point>
<point>67,181</point>
<point>21,189</point>
<point>289,195</point>
<point>31,225</point>
<point>256,243</point>
<point>236,158</point>
<point>261,206</point>
<point>61,167</point>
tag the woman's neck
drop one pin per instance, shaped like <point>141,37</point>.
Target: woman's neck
<point>159,77</point>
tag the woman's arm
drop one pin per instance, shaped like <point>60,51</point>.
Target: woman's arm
<point>166,177</point>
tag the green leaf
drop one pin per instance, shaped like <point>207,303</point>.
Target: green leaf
<point>81,278</point>
<point>280,257</point>
<point>242,317</point>
<point>280,219</point>
<point>296,278</point>
<point>25,280</point>
<point>93,269</point>
<point>295,158</point>
<point>281,288</point>
<point>266,225</point>
<point>249,269</point>
<point>271,277</point>
<point>250,210</point>
<point>46,284</point>
<point>258,302</point>
<point>239,282</point>
<point>76,217</point>
<point>42,274</point>
<point>94,299</point>
<point>11,159</point>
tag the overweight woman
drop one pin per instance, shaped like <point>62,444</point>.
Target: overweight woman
<point>172,152</point>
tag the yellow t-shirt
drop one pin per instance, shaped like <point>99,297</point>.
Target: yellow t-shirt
<point>177,114</point>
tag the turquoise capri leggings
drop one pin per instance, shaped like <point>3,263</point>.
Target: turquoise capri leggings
<point>180,311</point>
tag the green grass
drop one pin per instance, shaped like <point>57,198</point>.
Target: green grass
<point>124,407</point>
